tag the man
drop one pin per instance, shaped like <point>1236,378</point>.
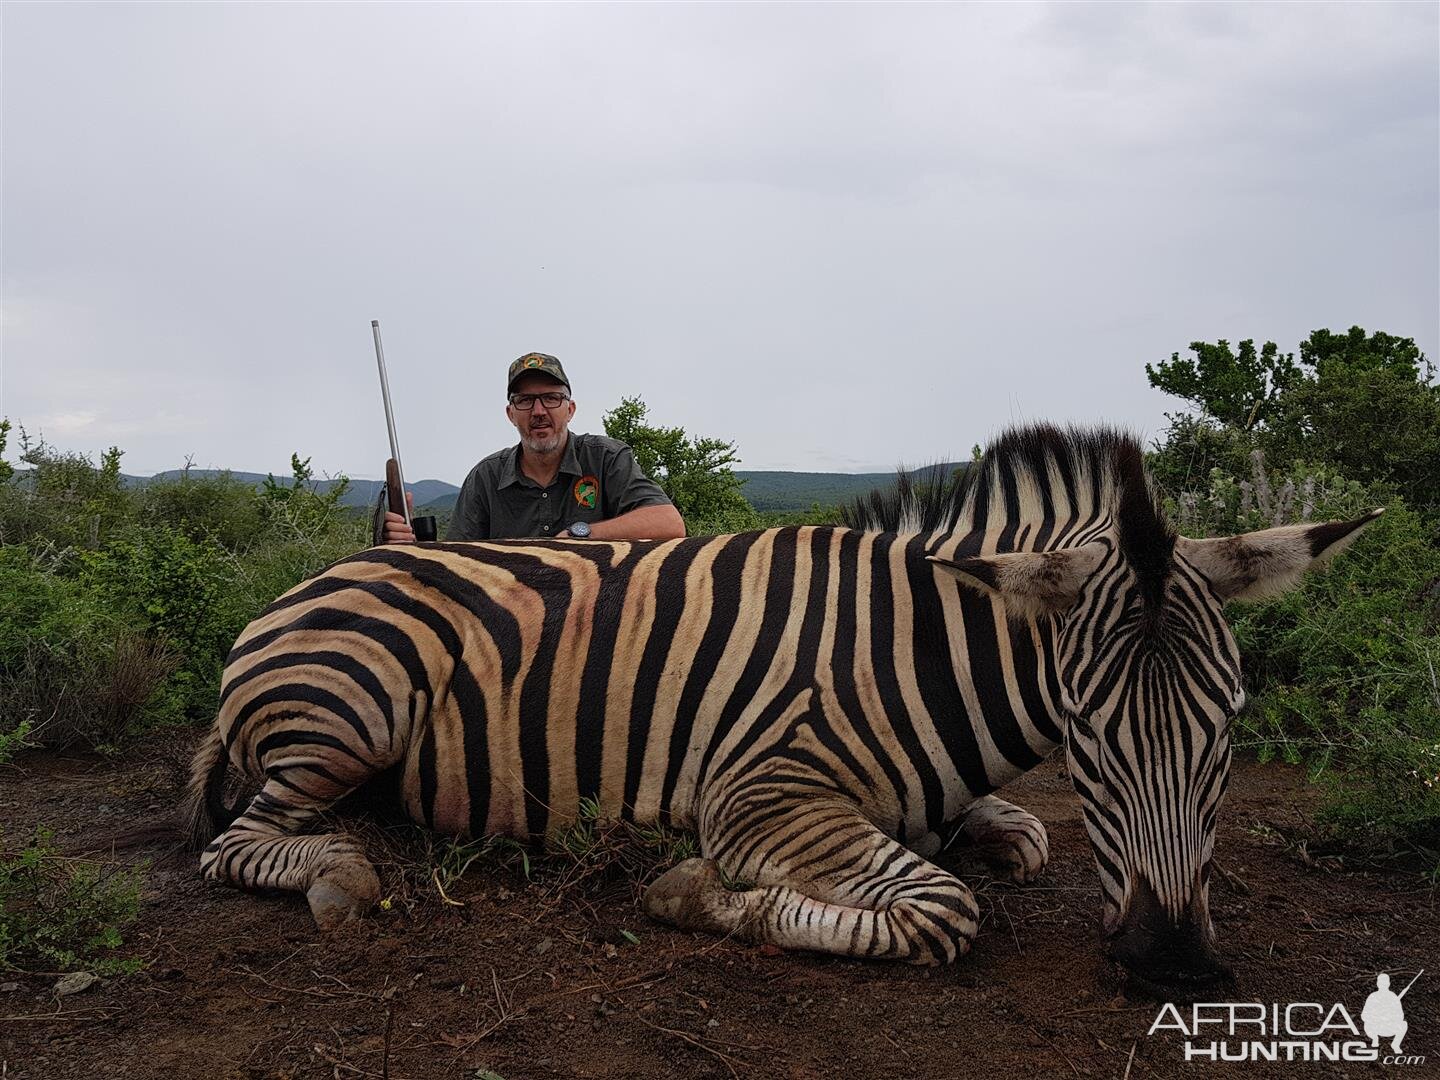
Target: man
<point>553,485</point>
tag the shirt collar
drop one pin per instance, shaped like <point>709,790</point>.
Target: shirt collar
<point>510,468</point>
<point>570,463</point>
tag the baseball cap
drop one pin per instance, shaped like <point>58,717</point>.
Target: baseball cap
<point>537,363</point>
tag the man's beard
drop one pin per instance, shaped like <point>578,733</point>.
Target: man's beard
<point>543,444</point>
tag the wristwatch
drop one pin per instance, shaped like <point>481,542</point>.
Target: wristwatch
<point>580,530</point>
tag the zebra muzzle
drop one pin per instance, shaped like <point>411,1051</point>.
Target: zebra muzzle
<point>1169,953</point>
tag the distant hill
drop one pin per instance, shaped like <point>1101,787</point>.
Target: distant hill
<point>766,490</point>
<point>360,492</point>
<point>800,490</point>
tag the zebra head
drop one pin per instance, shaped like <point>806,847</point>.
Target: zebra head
<point>1149,680</point>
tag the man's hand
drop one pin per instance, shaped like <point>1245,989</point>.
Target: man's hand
<point>645,523</point>
<point>396,531</point>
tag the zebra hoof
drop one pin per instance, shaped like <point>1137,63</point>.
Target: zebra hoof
<point>1001,861</point>
<point>343,894</point>
<point>685,894</point>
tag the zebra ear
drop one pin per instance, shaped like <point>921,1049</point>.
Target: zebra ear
<point>1031,584</point>
<point>1258,565</point>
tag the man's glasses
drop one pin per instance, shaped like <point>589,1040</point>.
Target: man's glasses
<point>526,402</point>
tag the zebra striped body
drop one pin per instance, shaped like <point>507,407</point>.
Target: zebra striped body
<point>817,702</point>
<point>509,687</point>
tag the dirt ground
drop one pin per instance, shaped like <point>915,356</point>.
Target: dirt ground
<point>525,980</point>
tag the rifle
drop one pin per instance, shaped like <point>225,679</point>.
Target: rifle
<point>393,493</point>
<point>1410,984</point>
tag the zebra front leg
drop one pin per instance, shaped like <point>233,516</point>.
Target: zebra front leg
<point>262,851</point>
<point>1010,840</point>
<point>825,880</point>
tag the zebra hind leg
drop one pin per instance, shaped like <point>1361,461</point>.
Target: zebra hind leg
<point>825,880</point>
<point>261,850</point>
<point>1008,839</point>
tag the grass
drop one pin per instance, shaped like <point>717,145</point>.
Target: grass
<point>59,914</point>
<point>579,863</point>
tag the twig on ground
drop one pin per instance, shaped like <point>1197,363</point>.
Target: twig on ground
<point>726,1059</point>
<point>1064,1056</point>
<point>389,1026</point>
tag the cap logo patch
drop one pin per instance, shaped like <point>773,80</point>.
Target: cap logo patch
<point>532,362</point>
<point>586,491</point>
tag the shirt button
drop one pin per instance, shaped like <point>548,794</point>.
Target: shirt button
<point>545,494</point>
<point>545,527</point>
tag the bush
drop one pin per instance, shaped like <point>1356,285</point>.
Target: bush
<point>694,472</point>
<point>1261,498</point>
<point>1365,404</point>
<point>72,670</point>
<point>118,605</point>
<point>63,500</point>
<point>178,593</point>
<point>218,508</point>
<point>60,914</point>
<point>1343,671</point>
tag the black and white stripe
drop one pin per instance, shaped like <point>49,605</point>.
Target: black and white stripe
<point>819,703</point>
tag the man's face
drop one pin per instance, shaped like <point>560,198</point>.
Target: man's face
<point>541,429</point>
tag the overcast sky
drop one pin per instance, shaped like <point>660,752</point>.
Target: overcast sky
<point>842,236</point>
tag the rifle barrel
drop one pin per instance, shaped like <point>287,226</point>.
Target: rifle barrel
<point>389,416</point>
<point>1410,983</point>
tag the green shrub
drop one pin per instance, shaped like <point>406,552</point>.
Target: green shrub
<point>63,500</point>
<point>72,668</point>
<point>59,914</point>
<point>218,508</point>
<point>180,593</point>
<point>1343,671</point>
<point>1364,403</point>
<point>118,605</point>
<point>1257,497</point>
<point>694,472</point>
<point>13,739</point>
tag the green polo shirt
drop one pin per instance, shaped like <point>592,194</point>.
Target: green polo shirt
<point>598,479</point>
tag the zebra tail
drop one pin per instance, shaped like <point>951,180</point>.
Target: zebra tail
<point>203,814</point>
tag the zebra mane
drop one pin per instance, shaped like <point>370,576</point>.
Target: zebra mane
<point>1024,474</point>
<point>921,500</point>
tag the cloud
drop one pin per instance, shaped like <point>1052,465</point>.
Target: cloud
<point>67,423</point>
<point>842,236</point>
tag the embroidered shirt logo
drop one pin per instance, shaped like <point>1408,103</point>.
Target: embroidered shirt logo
<point>587,491</point>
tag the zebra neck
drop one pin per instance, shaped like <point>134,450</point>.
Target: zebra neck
<point>988,684</point>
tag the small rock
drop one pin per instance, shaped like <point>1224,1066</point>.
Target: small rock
<point>545,946</point>
<point>6,988</point>
<point>77,982</point>
<point>712,1022</point>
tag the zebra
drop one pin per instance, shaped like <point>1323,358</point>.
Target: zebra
<point>820,704</point>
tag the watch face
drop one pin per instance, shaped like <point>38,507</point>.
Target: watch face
<point>580,529</point>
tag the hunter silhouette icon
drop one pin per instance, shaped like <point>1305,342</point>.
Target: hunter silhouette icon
<point>1383,1015</point>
